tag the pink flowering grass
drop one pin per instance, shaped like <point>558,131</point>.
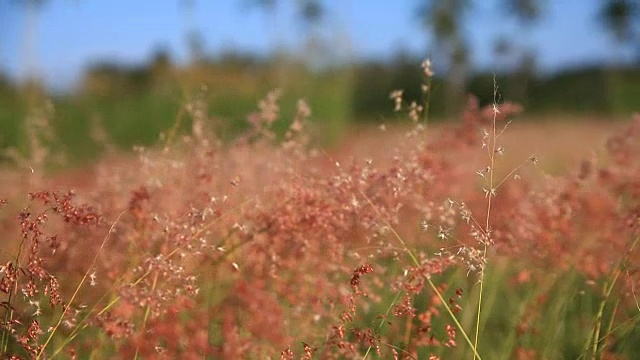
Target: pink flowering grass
<point>422,244</point>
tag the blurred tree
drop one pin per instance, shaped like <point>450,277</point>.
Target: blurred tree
<point>503,50</point>
<point>193,37</point>
<point>335,86</point>
<point>310,12</point>
<point>112,79</point>
<point>621,19</point>
<point>526,11</point>
<point>443,21</point>
<point>32,87</point>
<point>523,68</point>
<point>161,70</point>
<point>161,58</point>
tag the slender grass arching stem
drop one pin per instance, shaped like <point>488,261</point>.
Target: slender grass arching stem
<point>433,287</point>
<point>595,338</point>
<point>77,290</point>
<point>491,149</point>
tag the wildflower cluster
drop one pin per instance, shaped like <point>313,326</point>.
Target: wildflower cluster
<point>269,246</point>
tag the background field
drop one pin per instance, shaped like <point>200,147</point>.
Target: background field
<point>203,201</point>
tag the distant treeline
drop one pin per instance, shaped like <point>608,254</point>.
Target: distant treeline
<point>590,90</point>
<point>593,90</point>
<point>134,105</point>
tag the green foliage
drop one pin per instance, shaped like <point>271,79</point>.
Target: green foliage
<point>136,105</point>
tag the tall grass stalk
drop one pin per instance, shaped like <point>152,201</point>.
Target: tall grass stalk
<point>433,287</point>
<point>490,193</point>
<point>84,322</point>
<point>593,342</point>
<point>426,91</point>
<point>77,290</point>
<point>383,320</point>
<point>9,317</point>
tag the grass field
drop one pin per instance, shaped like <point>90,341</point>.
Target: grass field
<point>465,240</point>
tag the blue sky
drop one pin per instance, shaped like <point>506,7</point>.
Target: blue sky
<point>69,34</point>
